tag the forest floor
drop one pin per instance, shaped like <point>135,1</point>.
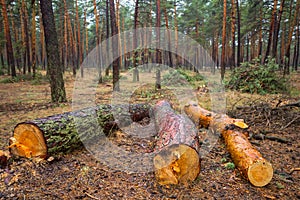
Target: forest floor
<point>78,175</point>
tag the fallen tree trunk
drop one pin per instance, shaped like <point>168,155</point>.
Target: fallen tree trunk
<point>247,159</point>
<point>177,160</point>
<point>66,132</point>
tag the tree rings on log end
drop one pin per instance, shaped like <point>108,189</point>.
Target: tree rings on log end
<point>260,173</point>
<point>28,141</point>
<point>175,164</point>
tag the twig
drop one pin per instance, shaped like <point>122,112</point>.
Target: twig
<point>294,169</point>
<point>290,123</point>
<point>91,196</point>
<point>273,138</point>
<point>296,104</point>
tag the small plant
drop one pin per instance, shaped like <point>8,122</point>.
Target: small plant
<point>223,160</point>
<point>279,185</point>
<point>230,165</point>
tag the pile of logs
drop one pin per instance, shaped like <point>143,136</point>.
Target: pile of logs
<point>177,145</point>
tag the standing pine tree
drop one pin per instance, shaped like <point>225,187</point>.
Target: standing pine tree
<point>54,70</point>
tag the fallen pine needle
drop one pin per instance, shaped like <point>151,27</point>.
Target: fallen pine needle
<point>91,196</point>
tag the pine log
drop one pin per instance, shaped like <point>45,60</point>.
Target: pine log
<point>177,160</point>
<point>248,160</point>
<point>65,132</point>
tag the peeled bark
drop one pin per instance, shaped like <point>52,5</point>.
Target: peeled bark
<point>177,160</point>
<point>66,132</point>
<point>247,159</point>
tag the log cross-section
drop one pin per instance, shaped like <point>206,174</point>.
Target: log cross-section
<point>177,160</point>
<point>67,131</point>
<point>248,159</point>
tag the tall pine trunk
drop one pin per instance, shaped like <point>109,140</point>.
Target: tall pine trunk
<point>136,77</point>
<point>33,38</point>
<point>115,45</point>
<point>271,31</point>
<point>238,33</point>
<point>9,48</point>
<point>158,51</point>
<point>223,40</point>
<point>290,37</point>
<point>233,21</point>
<point>58,93</point>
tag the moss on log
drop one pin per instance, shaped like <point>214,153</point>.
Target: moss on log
<point>247,159</point>
<point>65,132</point>
<point>177,160</point>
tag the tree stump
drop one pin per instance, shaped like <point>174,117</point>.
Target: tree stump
<point>177,160</point>
<point>248,160</point>
<point>65,132</point>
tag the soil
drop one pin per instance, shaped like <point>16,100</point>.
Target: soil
<point>80,175</point>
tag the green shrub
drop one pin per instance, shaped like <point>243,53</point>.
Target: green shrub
<point>257,78</point>
<point>181,77</point>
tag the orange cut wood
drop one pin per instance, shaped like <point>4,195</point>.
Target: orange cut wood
<point>248,160</point>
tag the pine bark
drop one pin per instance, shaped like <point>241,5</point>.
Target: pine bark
<point>248,160</point>
<point>9,48</point>
<point>233,22</point>
<point>65,132</point>
<point>158,51</point>
<point>115,45</point>
<point>33,38</point>
<point>177,160</point>
<point>271,31</point>
<point>54,69</point>
<point>223,40</point>
<point>136,77</point>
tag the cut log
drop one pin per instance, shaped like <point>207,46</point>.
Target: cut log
<point>177,146</point>
<point>248,160</point>
<point>65,132</point>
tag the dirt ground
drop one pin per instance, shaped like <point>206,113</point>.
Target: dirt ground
<point>79,175</point>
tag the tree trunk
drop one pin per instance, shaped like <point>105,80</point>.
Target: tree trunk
<point>233,19</point>
<point>97,40</point>
<point>135,38</point>
<point>276,30</point>
<point>290,37</point>
<point>238,33</point>
<point>177,160</point>
<point>158,51</point>
<point>33,38</point>
<point>115,45</point>
<point>16,38</point>
<point>247,159</point>
<point>107,35</point>
<point>65,132</point>
<point>170,64</point>
<point>271,31</point>
<point>9,48</point>
<point>54,70</point>
<point>297,47</point>
<point>42,41</point>
<point>27,46</point>
<point>79,45</point>
<point>223,40</point>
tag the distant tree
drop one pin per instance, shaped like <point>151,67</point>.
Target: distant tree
<point>271,30</point>
<point>9,48</point>
<point>293,23</point>
<point>135,38</point>
<point>158,51</point>
<point>33,37</point>
<point>115,45</point>
<point>54,70</point>
<point>233,21</point>
<point>26,45</point>
<point>223,39</point>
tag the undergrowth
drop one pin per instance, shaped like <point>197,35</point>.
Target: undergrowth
<point>257,78</point>
<point>37,80</point>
